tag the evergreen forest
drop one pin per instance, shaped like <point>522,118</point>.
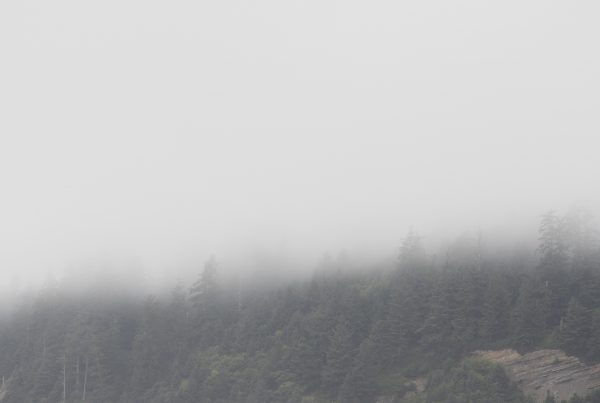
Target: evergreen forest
<point>379,334</point>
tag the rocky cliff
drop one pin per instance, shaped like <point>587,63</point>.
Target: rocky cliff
<point>547,371</point>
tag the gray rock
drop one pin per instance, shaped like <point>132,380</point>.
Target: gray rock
<point>547,371</point>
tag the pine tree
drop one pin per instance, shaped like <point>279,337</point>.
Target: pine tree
<point>150,348</point>
<point>575,329</point>
<point>552,238</point>
<point>496,310</point>
<point>407,308</point>
<point>593,346</point>
<point>437,328</point>
<point>469,290</point>
<point>529,315</point>
<point>207,326</point>
<point>203,294</point>
<point>553,267</point>
<point>359,383</point>
<point>412,253</point>
<point>339,357</point>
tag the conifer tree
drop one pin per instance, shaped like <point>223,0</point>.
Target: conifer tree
<point>359,383</point>
<point>593,346</point>
<point>575,329</point>
<point>529,315</point>
<point>437,327</point>
<point>339,357</point>
<point>553,267</point>
<point>496,310</point>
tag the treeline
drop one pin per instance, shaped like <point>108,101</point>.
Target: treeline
<point>340,337</point>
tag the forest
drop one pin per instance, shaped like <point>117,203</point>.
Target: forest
<point>341,336</point>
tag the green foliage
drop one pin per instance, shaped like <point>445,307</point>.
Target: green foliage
<point>575,329</point>
<point>591,398</point>
<point>530,313</point>
<point>495,321</point>
<point>340,337</point>
<point>473,380</point>
<point>340,356</point>
<point>394,384</point>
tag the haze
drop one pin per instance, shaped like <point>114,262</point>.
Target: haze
<point>164,132</point>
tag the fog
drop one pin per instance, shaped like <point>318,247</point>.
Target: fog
<point>148,135</point>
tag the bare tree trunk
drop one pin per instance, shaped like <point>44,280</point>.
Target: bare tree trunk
<point>239,295</point>
<point>44,349</point>
<point>77,376</point>
<point>85,377</point>
<point>479,250</point>
<point>65,378</point>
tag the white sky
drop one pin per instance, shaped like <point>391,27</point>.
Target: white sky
<point>168,130</point>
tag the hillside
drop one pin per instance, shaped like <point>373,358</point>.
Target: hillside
<point>548,372</point>
<point>343,336</point>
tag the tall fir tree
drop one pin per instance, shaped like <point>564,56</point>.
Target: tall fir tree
<point>575,329</point>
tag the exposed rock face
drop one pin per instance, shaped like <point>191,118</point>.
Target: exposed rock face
<point>544,371</point>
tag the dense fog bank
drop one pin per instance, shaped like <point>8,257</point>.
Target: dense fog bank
<point>349,332</point>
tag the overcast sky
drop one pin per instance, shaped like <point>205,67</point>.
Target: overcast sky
<point>167,130</point>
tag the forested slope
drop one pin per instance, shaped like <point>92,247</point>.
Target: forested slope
<point>344,336</point>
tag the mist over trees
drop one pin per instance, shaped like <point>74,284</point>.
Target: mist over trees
<point>340,336</point>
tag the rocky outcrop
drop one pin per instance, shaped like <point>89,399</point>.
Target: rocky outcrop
<point>547,371</point>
